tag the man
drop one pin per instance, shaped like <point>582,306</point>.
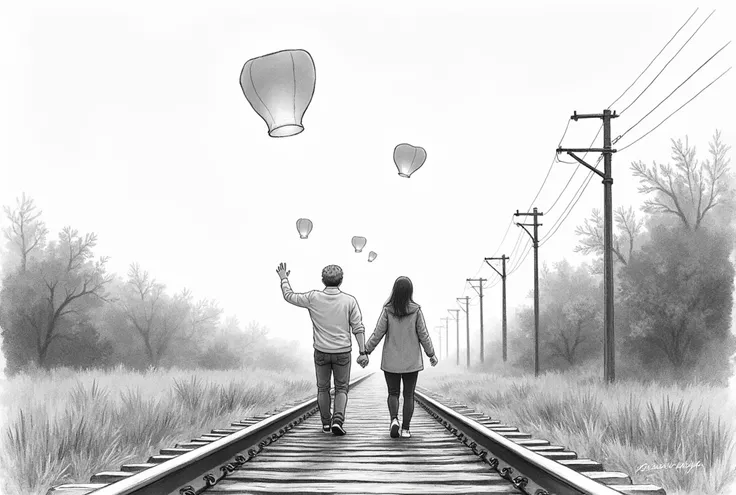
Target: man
<point>334,314</point>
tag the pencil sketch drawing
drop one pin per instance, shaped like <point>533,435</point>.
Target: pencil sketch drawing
<point>544,307</point>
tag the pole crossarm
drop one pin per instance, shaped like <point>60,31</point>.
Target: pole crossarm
<point>586,150</point>
<point>575,116</point>
<point>458,301</point>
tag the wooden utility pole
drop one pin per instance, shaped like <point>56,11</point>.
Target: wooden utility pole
<point>535,240</point>
<point>609,343</point>
<point>457,325</point>
<point>447,336</point>
<point>439,348</point>
<point>467,324</point>
<point>479,290</point>
<point>502,274</point>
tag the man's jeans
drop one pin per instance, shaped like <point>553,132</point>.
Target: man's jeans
<point>325,364</point>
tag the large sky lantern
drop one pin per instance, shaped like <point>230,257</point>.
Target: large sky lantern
<point>372,255</point>
<point>304,227</point>
<point>359,243</point>
<point>408,159</point>
<point>279,86</point>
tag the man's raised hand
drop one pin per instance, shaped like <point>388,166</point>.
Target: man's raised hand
<point>281,270</point>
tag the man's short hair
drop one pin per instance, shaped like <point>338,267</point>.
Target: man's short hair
<point>332,276</point>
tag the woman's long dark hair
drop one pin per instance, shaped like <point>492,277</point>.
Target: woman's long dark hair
<point>401,296</point>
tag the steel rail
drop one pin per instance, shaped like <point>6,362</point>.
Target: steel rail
<point>546,473</point>
<point>171,475</point>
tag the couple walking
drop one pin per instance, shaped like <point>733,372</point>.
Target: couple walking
<point>335,315</point>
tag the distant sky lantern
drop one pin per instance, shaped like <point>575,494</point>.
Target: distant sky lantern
<point>372,255</point>
<point>408,159</point>
<point>359,243</point>
<point>304,226</point>
<point>279,86</point>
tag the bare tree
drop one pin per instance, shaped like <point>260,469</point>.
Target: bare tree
<point>591,233</point>
<point>689,189</point>
<point>68,278</point>
<point>204,315</point>
<point>571,330</point>
<point>159,319</point>
<point>26,231</point>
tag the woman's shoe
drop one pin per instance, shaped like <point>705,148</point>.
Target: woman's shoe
<point>395,428</point>
<point>405,434</point>
<point>337,428</point>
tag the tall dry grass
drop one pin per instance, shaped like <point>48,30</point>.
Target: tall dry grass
<point>638,428</point>
<point>62,426</point>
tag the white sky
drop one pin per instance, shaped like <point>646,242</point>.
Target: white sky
<point>128,120</point>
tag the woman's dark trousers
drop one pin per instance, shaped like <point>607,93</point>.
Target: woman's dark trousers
<point>393,381</point>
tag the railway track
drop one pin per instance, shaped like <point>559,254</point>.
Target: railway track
<point>453,449</point>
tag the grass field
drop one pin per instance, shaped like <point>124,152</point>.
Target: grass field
<point>636,428</point>
<point>63,426</point>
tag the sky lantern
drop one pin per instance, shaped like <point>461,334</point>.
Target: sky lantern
<point>304,226</point>
<point>408,159</point>
<point>279,86</point>
<point>359,243</point>
<point>372,255</point>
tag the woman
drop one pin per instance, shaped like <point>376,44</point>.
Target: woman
<point>402,321</point>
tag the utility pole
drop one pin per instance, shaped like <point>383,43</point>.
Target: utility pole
<point>467,324</point>
<point>447,336</point>
<point>439,350</point>
<point>457,325</point>
<point>535,240</point>
<point>479,290</point>
<point>502,274</point>
<point>609,343</point>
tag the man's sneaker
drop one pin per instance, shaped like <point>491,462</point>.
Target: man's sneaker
<point>337,429</point>
<point>395,428</point>
<point>325,428</point>
<point>405,433</point>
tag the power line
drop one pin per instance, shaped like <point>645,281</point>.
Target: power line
<point>670,115</point>
<point>575,170</point>
<point>673,91</point>
<point>550,167</point>
<point>573,201</point>
<point>516,246</point>
<point>511,222</point>
<point>584,186</point>
<point>668,63</point>
<point>650,63</point>
<point>522,259</point>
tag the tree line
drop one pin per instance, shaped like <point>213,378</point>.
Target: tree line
<point>60,306</point>
<point>674,278</point>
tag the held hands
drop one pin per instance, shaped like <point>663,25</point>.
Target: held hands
<point>281,270</point>
<point>363,361</point>
<point>433,360</point>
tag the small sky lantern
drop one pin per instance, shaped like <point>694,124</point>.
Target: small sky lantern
<point>409,159</point>
<point>279,86</point>
<point>359,243</point>
<point>304,227</point>
<point>372,255</point>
